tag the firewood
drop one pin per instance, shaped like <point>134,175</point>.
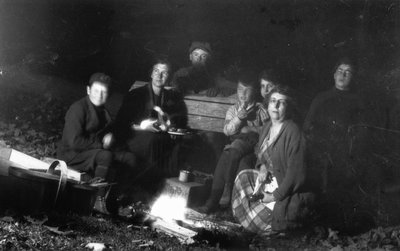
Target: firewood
<point>184,235</point>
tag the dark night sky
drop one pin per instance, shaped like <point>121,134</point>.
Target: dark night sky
<point>300,38</point>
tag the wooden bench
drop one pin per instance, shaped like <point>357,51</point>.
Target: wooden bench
<point>204,113</point>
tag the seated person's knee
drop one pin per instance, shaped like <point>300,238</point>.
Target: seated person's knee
<point>104,158</point>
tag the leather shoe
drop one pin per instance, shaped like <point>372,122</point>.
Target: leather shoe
<point>100,205</point>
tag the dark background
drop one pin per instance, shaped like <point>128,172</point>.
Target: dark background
<point>72,39</point>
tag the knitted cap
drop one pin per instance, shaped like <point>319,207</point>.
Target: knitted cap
<point>200,45</point>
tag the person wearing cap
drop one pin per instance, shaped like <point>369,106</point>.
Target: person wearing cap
<point>245,113</point>
<point>201,76</point>
<point>87,140</point>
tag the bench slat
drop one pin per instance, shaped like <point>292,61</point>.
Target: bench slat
<point>206,123</point>
<point>209,109</point>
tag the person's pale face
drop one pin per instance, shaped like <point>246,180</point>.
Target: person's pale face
<point>199,57</point>
<point>159,75</point>
<point>343,76</point>
<point>266,87</point>
<point>245,94</point>
<point>277,106</point>
<point>98,93</point>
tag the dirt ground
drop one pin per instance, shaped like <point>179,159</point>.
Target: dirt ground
<point>32,107</point>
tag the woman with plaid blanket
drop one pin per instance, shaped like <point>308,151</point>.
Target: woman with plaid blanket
<point>281,150</point>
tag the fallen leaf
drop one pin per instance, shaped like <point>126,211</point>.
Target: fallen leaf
<point>147,244</point>
<point>17,132</point>
<point>7,219</point>
<point>96,246</point>
<point>337,248</point>
<point>56,231</point>
<point>333,234</point>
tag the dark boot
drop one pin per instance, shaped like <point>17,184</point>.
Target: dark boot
<point>211,204</point>
<point>100,205</point>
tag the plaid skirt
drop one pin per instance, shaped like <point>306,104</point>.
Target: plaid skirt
<point>253,216</point>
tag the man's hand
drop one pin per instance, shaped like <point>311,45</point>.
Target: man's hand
<point>212,92</point>
<point>108,140</point>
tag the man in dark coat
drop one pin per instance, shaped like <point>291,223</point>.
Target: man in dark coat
<point>87,138</point>
<point>201,76</point>
<point>145,115</point>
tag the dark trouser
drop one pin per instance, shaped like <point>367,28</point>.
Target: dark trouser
<point>229,165</point>
<point>102,164</point>
<point>95,162</point>
<point>124,173</point>
<point>152,149</point>
<point>229,162</point>
<point>120,165</point>
<point>125,168</point>
<point>247,162</point>
<point>226,168</point>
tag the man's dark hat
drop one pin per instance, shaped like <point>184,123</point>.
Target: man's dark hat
<point>200,45</point>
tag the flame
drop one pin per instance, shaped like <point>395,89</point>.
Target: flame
<point>169,208</point>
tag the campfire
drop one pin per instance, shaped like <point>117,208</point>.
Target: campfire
<point>166,218</point>
<point>169,208</point>
<point>171,213</point>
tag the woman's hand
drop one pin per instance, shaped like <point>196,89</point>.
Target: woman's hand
<point>268,197</point>
<point>148,125</point>
<point>263,175</point>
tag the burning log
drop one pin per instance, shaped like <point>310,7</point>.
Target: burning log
<point>198,220</point>
<point>184,235</point>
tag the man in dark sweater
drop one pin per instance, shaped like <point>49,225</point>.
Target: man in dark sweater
<point>87,138</point>
<point>328,127</point>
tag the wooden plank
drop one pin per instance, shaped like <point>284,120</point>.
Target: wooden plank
<point>208,113</point>
<point>184,235</point>
<point>221,100</point>
<point>205,123</point>
<point>207,109</point>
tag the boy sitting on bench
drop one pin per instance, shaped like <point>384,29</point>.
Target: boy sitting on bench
<point>245,113</point>
<point>87,139</point>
